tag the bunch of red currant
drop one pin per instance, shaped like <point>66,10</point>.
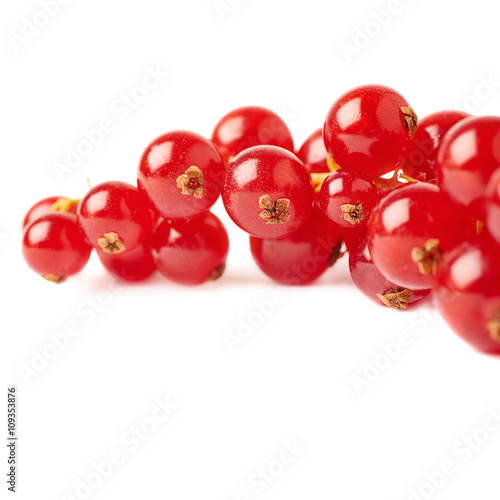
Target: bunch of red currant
<point>417,208</point>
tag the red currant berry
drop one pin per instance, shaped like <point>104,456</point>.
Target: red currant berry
<point>372,283</point>
<point>115,217</point>
<point>250,126</point>
<point>469,154</point>
<point>370,129</point>
<point>431,129</point>
<point>313,153</point>
<point>408,232</point>
<point>304,255</point>
<point>48,205</point>
<point>268,192</point>
<point>54,246</point>
<point>493,206</point>
<point>191,251</point>
<point>467,295</point>
<point>181,172</point>
<point>347,197</point>
<point>135,265</point>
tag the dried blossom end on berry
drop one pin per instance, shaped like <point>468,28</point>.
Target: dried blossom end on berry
<point>410,120</point>
<point>493,326</point>
<point>274,212</point>
<point>353,213</point>
<point>398,298</point>
<point>428,256</point>
<point>54,278</point>
<point>191,182</point>
<point>111,243</point>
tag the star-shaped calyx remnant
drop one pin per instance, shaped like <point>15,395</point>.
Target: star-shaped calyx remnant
<point>493,326</point>
<point>275,212</point>
<point>191,182</point>
<point>353,213</point>
<point>398,298</point>
<point>111,243</point>
<point>410,120</point>
<point>427,258</point>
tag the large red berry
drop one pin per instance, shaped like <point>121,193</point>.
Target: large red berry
<point>191,251</point>
<point>54,246</point>
<point>469,154</point>
<point>48,205</point>
<point>181,172</point>
<point>370,129</point>
<point>493,206</point>
<point>304,255</point>
<point>347,197</point>
<point>467,293</point>
<point>372,283</point>
<point>408,232</point>
<point>431,129</point>
<point>268,192</point>
<point>115,217</point>
<point>250,126</point>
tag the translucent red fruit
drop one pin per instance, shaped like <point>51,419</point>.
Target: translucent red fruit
<point>431,129</point>
<point>268,192</point>
<point>370,129</point>
<point>135,265</point>
<point>48,205</point>
<point>347,197</point>
<point>469,154</point>
<point>304,255</point>
<point>54,246</point>
<point>191,251</point>
<point>181,172</point>
<point>409,230</point>
<point>250,126</point>
<point>467,294</point>
<point>115,217</point>
<point>313,153</point>
<point>372,283</point>
<point>493,206</point>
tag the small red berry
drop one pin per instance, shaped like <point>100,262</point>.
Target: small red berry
<point>268,192</point>
<point>370,129</point>
<point>191,251</point>
<point>48,205</point>
<point>348,197</point>
<point>304,255</point>
<point>250,126</point>
<point>313,153</point>
<point>54,246</point>
<point>115,217</point>
<point>469,154</point>
<point>181,172</point>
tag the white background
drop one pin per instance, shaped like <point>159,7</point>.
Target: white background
<point>292,379</point>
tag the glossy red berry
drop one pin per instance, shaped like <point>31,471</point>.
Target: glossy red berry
<point>115,217</point>
<point>370,129</point>
<point>48,205</point>
<point>493,206</point>
<point>372,283</point>
<point>268,192</point>
<point>181,172</point>
<point>348,197</point>
<point>135,265</point>
<point>431,129</point>
<point>467,294</point>
<point>54,246</point>
<point>409,230</point>
<point>191,251</point>
<point>250,126</point>
<point>304,255</point>
<point>313,153</point>
<point>469,154</point>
